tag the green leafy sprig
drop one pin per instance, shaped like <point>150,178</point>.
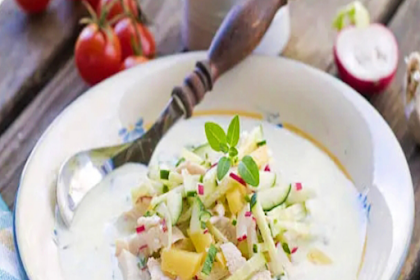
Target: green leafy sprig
<point>226,144</point>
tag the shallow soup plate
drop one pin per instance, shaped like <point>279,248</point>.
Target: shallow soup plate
<point>276,91</point>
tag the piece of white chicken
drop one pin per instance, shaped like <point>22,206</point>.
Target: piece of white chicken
<point>155,270</point>
<point>224,225</point>
<point>192,167</point>
<point>127,263</point>
<point>152,237</point>
<point>233,257</point>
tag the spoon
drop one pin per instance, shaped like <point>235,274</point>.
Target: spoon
<point>239,34</point>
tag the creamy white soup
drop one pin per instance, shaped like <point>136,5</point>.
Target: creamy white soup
<point>281,209</point>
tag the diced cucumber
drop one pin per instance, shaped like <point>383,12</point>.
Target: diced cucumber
<point>295,212</point>
<point>174,202</point>
<point>195,223</point>
<point>208,263</point>
<point>163,197</point>
<point>153,173</point>
<point>259,215</point>
<point>249,143</point>
<point>190,183</point>
<point>209,182</point>
<point>175,178</point>
<point>226,184</point>
<point>252,266</point>
<point>270,198</point>
<point>299,196</point>
<point>267,180</point>
<point>203,151</point>
<point>190,156</point>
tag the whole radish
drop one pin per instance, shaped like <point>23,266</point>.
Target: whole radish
<point>366,55</point>
<point>33,6</point>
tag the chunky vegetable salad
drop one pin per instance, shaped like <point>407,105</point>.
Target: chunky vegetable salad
<point>219,213</point>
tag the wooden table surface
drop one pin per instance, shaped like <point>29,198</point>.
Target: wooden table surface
<point>38,78</point>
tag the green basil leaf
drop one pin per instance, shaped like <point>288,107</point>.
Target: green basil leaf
<point>233,152</point>
<point>248,170</point>
<point>233,132</point>
<point>224,147</point>
<point>215,135</point>
<point>223,168</point>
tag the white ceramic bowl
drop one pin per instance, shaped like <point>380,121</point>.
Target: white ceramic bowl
<point>277,89</point>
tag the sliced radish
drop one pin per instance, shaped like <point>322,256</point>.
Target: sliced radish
<point>237,178</point>
<point>366,58</point>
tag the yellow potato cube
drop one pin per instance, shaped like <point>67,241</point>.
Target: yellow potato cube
<point>260,156</point>
<point>201,241</point>
<point>235,200</point>
<point>181,263</point>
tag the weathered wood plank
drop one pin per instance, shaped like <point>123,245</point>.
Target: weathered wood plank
<point>31,51</point>
<point>312,35</point>
<point>19,139</point>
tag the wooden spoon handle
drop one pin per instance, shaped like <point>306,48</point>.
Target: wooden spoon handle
<point>239,34</point>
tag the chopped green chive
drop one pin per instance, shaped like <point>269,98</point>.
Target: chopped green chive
<point>234,222</point>
<point>201,178</point>
<point>255,248</point>
<point>247,198</point>
<point>191,193</point>
<point>261,143</point>
<point>148,214</point>
<point>164,174</point>
<point>181,160</point>
<point>286,248</point>
<point>165,189</point>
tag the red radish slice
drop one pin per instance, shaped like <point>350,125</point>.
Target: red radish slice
<point>298,186</point>
<point>366,58</point>
<point>200,189</point>
<point>267,168</point>
<point>237,178</point>
<point>140,229</point>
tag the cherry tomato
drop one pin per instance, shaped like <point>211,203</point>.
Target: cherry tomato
<point>33,6</point>
<point>97,53</point>
<point>126,33</point>
<point>117,8</point>
<point>132,61</point>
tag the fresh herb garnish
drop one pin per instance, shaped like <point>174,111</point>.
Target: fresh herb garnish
<point>223,168</point>
<point>215,135</point>
<point>248,170</point>
<point>233,132</point>
<point>208,263</point>
<point>219,142</point>
<point>233,152</point>
<point>234,222</point>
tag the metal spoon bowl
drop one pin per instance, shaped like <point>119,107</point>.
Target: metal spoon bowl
<point>238,36</point>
